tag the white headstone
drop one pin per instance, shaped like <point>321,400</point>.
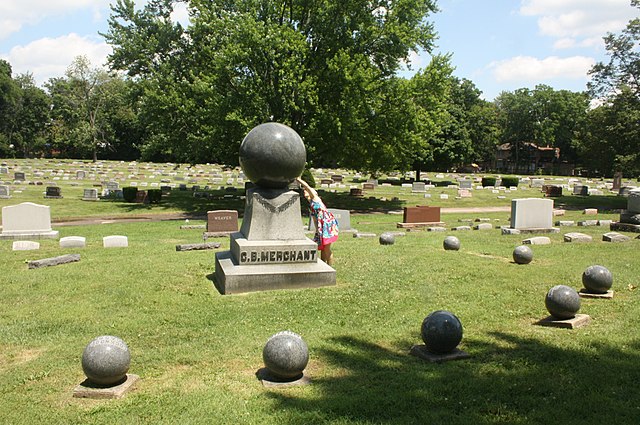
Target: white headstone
<point>115,241</point>
<point>25,245</point>
<point>27,220</point>
<point>633,201</point>
<point>73,242</point>
<point>531,213</point>
<point>4,192</point>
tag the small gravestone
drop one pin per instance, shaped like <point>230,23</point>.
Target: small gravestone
<point>597,280</point>
<point>27,221</point>
<point>80,174</point>
<point>577,237</point>
<point>565,223</point>
<point>90,195</point>
<point>53,192</point>
<point>356,192</point>
<point>581,190</point>
<point>615,237</point>
<point>25,245</point>
<point>4,170</point>
<point>285,357</point>
<point>451,243</point>
<point>553,191</point>
<point>537,240</point>
<point>4,192</point>
<point>466,184</point>
<point>368,186</point>
<point>222,222</point>
<point>617,181</point>
<point>441,332</point>
<point>522,254</point>
<point>73,242</point>
<point>483,226</point>
<point>105,362</point>
<point>418,187</point>
<point>563,302</point>
<point>590,211</point>
<point>115,241</point>
<point>19,176</point>
<point>387,238</point>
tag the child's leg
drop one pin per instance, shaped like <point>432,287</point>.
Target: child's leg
<point>326,255</point>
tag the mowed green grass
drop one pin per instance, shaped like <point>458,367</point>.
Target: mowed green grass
<point>197,351</point>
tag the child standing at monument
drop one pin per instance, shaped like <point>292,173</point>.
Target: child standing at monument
<point>325,223</point>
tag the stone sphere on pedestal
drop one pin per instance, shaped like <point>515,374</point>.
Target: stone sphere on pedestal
<point>387,239</point>
<point>106,360</point>
<point>563,302</point>
<point>285,355</point>
<point>272,155</point>
<point>441,332</point>
<point>451,243</point>
<point>522,254</point>
<point>597,279</point>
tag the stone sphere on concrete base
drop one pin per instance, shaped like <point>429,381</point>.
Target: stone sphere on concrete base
<point>522,254</point>
<point>387,239</point>
<point>441,332</point>
<point>451,243</point>
<point>106,360</point>
<point>597,279</point>
<point>285,355</point>
<point>563,302</point>
<point>272,155</point>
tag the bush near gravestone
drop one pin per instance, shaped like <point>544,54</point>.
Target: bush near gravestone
<point>154,196</point>
<point>308,177</point>
<point>509,182</point>
<point>129,193</point>
<point>488,181</point>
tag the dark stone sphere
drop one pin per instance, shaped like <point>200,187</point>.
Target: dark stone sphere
<point>451,243</point>
<point>562,301</point>
<point>285,355</point>
<point>441,332</point>
<point>387,239</point>
<point>522,254</point>
<point>597,279</point>
<point>105,360</point>
<point>272,155</point>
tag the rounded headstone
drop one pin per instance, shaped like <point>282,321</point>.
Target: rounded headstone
<point>441,332</point>
<point>562,301</point>
<point>597,279</point>
<point>272,155</point>
<point>387,239</point>
<point>522,254</point>
<point>106,360</point>
<point>451,243</point>
<point>285,355</point>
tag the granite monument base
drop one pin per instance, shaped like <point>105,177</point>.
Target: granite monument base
<point>419,225</point>
<point>578,321</point>
<point>583,293</point>
<point>88,389</point>
<point>270,381</point>
<point>536,230</point>
<point>21,236</point>
<point>625,227</point>
<point>421,351</point>
<point>233,278</point>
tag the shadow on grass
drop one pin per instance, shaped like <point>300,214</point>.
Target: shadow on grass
<point>191,206</point>
<point>602,203</point>
<point>512,380</point>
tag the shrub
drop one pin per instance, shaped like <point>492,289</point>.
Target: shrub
<point>129,193</point>
<point>488,181</point>
<point>308,177</point>
<point>154,196</point>
<point>510,181</point>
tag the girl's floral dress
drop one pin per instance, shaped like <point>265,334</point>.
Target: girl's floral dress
<point>326,224</point>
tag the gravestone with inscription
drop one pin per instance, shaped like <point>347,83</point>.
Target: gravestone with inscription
<point>27,221</point>
<point>630,218</point>
<point>343,217</point>
<point>4,192</point>
<point>531,215</point>
<point>53,192</point>
<point>19,176</point>
<point>271,250</point>
<point>420,216</point>
<point>90,194</point>
<point>222,222</point>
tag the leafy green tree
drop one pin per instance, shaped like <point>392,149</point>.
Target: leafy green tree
<point>31,117</point>
<point>9,100</point>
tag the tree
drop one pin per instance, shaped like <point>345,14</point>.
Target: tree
<point>31,117</point>
<point>9,99</point>
<point>324,68</point>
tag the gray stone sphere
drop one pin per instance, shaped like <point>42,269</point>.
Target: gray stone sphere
<point>441,332</point>
<point>562,301</point>
<point>272,155</point>
<point>285,355</point>
<point>522,254</point>
<point>451,243</point>
<point>105,360</point>
<point>597,279</point>
<point>387,239</point>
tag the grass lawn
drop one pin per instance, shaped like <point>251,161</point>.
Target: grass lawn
<point>197,352</point>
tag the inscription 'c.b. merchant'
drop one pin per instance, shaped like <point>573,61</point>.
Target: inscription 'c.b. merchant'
<point>278,256</point>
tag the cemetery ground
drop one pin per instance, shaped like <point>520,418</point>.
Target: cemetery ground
<point>197,352</point>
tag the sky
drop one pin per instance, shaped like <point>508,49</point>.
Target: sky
<point>500,45</point>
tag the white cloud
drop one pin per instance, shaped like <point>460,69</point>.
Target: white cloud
<point>49,57</point>
<point>180,14</point>
<point>532,70</point>
<point>18,13</point>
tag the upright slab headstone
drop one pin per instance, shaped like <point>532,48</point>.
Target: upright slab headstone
<point>343,217</point>
<point>90,195</point>
<point>19,176</point>
<point>53,192</point>
<point>115,241</point>
<point>27,221</point>
<point>531,215</point>
<point>4,192</point>
<point>25,245</point>
<point>222,222</point>
<point>80,174</point>
<point>418,187</point>
<point>617,181</point>
<point>420,216</point>
<point>73,242</point>
<point>466,184</point>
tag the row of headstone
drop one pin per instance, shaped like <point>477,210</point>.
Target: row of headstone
<point>114,241</point>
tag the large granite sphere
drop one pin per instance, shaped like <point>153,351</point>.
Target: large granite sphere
<point>272,155</point>
<point>285,355</point>
<point>441,332</point>
<point>597,279</point>
<point>563,302</point>
<point>522,254</point>
<point>105,360</point>
<point>387,239</point>
<point>451,243</point>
